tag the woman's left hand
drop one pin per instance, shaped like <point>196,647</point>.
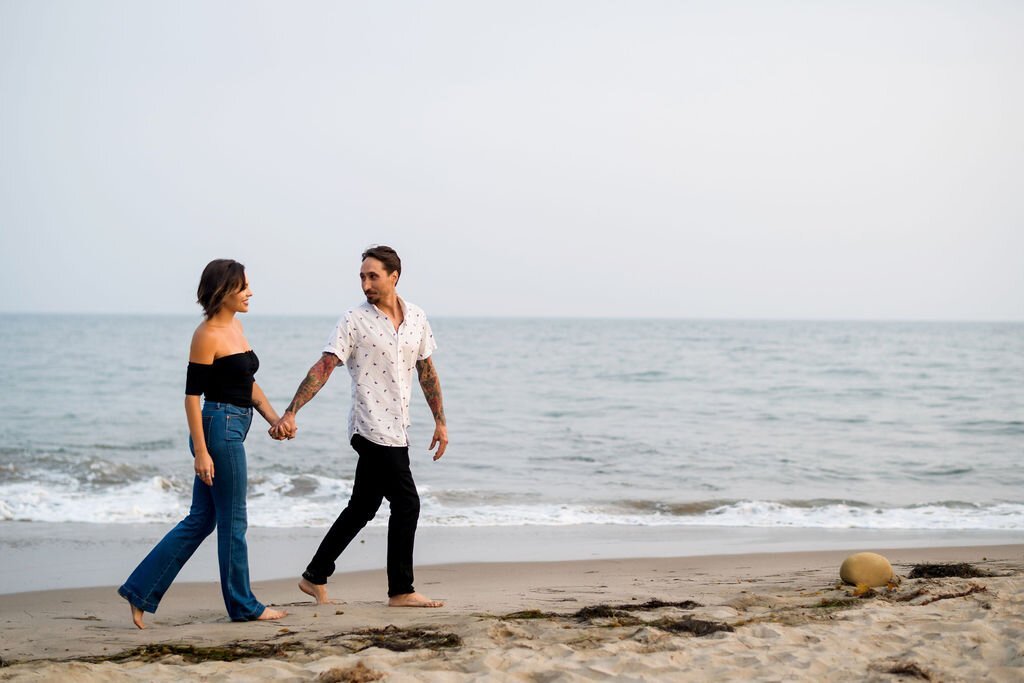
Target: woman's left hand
<point>204,468</point>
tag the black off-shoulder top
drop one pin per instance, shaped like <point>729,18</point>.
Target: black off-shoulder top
<point>228,379</point>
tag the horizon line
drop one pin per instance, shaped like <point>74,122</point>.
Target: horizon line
<point>837,319</point>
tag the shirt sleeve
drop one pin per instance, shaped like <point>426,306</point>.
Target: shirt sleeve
<point>197,379</point>
<point>427,343</point>
<point>340,341</point>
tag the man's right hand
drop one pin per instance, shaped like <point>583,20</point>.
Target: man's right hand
<point>285,428</point>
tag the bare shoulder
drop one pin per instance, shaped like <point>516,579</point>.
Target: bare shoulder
<point>204,344</point>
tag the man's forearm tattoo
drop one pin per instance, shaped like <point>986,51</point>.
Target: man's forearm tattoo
<point>431,385</point>
<point>315,379</point>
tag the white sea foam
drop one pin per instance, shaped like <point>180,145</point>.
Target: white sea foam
<point>278,500</point>
<point>1001,516</point>
<point>154,500</point>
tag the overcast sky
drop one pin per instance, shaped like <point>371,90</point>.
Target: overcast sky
<point>552,158</point>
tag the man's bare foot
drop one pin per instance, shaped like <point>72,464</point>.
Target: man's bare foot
<point>269,614</point>
<point>413,600</point>
<point>316,591</point>
<point>137,617</point>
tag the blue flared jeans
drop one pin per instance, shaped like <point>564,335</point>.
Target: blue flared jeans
<point>220,506</point>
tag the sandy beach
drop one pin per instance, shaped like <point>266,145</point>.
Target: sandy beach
<point>763,617</point>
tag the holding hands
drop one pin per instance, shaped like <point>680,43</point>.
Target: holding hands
<point>284,428</point>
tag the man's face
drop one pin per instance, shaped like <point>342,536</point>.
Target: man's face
<point>376,282</point>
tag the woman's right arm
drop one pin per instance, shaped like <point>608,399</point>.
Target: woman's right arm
<point>201,352</point>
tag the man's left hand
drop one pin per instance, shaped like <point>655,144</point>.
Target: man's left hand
<point>440,440</point>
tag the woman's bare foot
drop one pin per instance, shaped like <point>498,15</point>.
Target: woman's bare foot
<point>269,614</point>
<point>413,600</point>
<point>317,591</point>
<point>137,617</point>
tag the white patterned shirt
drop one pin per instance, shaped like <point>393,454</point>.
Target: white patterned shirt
<point>381,362</point>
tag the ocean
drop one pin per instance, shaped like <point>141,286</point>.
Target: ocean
<point>553,422</point>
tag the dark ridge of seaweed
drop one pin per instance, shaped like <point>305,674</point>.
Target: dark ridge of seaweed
<point>390,638</point>
<point>401,640</point>
<point>600,612</point>
<point>908,669</point>
<point>654,603</point>
<point>697,627</point>
<point>603,611</point>
<point>961,570</point>
<point>194,654</point>
<point>530,614</point>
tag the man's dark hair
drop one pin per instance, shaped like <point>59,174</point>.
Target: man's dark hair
<point>387,256</point>
<point>221,277</point>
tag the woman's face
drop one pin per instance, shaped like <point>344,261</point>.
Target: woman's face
<point>239,301</point>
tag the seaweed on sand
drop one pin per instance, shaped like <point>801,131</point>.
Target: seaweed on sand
<point>960,570</point>
<point>401,640</point>
<point>610,616</point>
<point>390,638</point>
<point>620,615</point>
<point>603,611</point>
<point>654,603</point>
<point>907,669</point>
<point>697,627</point>
<point>194,654</point>
<point>530,614</point>
<point>923,596</point>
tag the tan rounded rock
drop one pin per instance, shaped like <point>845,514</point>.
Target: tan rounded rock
<point>866,569</point>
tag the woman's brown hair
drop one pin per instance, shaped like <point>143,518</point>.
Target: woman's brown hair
<point>221,277</point>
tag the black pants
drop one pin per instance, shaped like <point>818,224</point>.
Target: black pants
<point>382,472</point>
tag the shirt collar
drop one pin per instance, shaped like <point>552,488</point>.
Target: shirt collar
<point>401,304</point>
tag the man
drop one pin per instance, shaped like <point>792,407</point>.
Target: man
<point>380,341</point>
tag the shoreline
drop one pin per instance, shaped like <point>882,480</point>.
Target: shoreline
<point>789,621</point>
<point>104,554</point>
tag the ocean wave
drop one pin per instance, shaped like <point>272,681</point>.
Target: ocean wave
<point>639,377</point>
<point>991,427</point>
<point>942,471</point>
<point>282,500</point>
<point>155,500</point>
<point>947,516</point>
<point>57,468</point>
<point>141,446</point>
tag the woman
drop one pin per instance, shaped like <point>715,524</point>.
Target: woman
<point>221,367</point>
